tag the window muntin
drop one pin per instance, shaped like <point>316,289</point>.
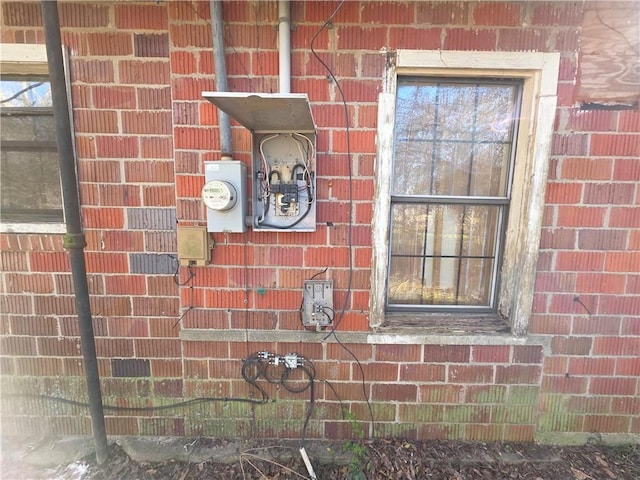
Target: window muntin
<point>453,153</point>
<point>30,188</point>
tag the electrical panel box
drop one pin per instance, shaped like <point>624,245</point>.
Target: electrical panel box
<point>225,196</point>
<point>284,156</point>
<point>317,303</point>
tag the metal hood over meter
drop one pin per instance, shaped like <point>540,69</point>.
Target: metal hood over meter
<point>266,112</point>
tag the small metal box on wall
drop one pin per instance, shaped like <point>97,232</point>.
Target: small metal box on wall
<point>194,245</point>
<point>284,156</point>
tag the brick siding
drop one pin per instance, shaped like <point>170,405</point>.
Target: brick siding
<point>142,134</point>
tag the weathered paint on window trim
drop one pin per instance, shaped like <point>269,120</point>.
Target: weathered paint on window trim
<point>539,71</point>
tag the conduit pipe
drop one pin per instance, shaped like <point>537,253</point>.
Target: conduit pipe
<point>284,46</point>
<point>74,240</point>
<point>217,31</point>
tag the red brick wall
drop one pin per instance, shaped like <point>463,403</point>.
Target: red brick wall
<point>587,291</point>
<point>143,133</point>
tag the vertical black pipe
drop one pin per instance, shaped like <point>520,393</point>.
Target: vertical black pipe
<point>74,240</point>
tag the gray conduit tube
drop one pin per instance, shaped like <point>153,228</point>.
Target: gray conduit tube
<point>74,240</point>
<point>284,46</point>
<point>217,31</point>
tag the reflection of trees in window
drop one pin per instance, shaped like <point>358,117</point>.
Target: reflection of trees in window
<point>430,243</point>
<point>22,93</point>
<point>452,159</point>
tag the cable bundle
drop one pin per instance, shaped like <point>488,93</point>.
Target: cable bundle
<point>279,370</point>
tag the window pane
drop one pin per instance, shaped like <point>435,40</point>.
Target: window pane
<point>443,254</point>
<point>489,173</point>
<point>417,161</point>
<point>495,112</point>
<point>32,127</point>
<point>416,112</point>
<point>452,168</point>
<point>30,186</point>
<point>409,231</point>
<point>455,111</point>
<point>448,133</point>
<point>25,93</point>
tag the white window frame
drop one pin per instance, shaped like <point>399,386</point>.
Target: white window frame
<point>26,59</point>
<point>539,73</point>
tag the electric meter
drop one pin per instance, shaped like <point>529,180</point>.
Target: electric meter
<point>225,196</point>
<point>219,195</point>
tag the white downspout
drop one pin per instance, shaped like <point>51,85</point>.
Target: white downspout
<point>284,46</point>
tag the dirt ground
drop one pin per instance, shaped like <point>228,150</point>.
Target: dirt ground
<point>377,459</point>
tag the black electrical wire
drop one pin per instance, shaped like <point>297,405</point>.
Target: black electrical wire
<point>310,408</point>
<point>277,173</point>
<point>292,224</point>
<point>350,230</point>
<point>577,299</point>
<point>337,396</point>
<point>264,364</point>
<point>259,365</point>
<point>254,362</point>
<point>189,280</point>
<point>176,273</point>
<point>363,382</point>
<point>305,173</point>
<point>251,380</point>
<point>258,362</point>
<point>316,275</point>
<point>309,368</point>
<point>309,371</point>
<point>349,161</point>
<point>115,408</point>
<point>184,314</point>
<point>274,373</point>
<point>364,385</point>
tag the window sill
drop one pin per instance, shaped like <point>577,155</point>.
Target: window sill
<point>446,324</point>
<point>383,336</point>
<point>33,228</point>
<point>450,329</point>
<point>415,330</point>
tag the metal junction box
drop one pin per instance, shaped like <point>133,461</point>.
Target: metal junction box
<point>194,245</point>
<point>283,159</point>
<point>317,303</point>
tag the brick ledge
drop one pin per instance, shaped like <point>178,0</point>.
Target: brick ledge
<point>407,336</point>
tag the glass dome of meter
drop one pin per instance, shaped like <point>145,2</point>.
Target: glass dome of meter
<point>219,195</point>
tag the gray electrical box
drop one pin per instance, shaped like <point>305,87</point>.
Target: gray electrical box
<point>284,156</point>
<point>317,303</point>
<point>225,196</point>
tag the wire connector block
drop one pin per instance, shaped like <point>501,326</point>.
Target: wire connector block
<point>291,360</point>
